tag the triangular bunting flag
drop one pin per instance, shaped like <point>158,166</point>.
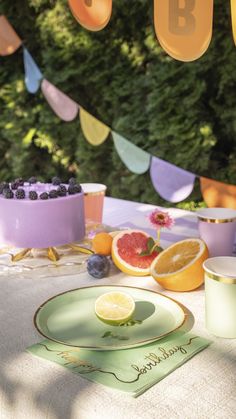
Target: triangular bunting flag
<point>172,183</point>
<point>93,15</point>
<point>9,40</point>
<point>33,75</point>
<point>94,131</point>
<point>218,194</point>
<point>135,159</point>
<point>184,28</point>
<point>63,106</point>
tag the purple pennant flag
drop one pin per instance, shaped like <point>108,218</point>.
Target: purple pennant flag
<point>63,106</point>
<point>172,183</point>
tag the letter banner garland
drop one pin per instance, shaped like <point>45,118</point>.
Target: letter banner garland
<point>171,182</point>
<point>183,27</point>
<point>93,15</point>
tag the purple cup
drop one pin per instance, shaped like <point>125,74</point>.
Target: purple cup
<point>217,228</point>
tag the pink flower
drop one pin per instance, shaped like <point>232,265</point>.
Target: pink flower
<point>161,219</point>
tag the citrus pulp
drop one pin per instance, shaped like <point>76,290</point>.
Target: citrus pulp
<point>127,247</point>
<point>179,267</point>
<point>114,307</point>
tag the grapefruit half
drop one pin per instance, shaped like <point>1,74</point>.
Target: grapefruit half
<point>126,248</point>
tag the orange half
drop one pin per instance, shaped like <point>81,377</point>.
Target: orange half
<point>179,267</point>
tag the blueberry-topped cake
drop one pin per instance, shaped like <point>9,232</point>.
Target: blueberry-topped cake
<point>36,214</point>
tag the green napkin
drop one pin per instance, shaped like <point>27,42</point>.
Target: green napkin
<point>131,370</point>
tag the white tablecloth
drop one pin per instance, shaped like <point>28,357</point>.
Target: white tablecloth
<point>33,388</point>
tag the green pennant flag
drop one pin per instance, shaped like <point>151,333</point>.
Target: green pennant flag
<point>135,159</point>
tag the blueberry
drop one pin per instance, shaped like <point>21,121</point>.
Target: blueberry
<point>8,194</point>
<point>20,181</point>
<point>33,195</point>
<point>56,180</point>
<point>32,180</point>
<point>20,194</point>
<point>4,186</point>
<point>71,190</point>
<point>14,185</point>
<point>53,193</point>
<point>98,266</point>
<point>61,190</point>
<point>43,195</point>
<point>72,181</point>
<point>77,188</point>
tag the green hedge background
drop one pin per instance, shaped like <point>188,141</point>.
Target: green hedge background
<point>182,112</point>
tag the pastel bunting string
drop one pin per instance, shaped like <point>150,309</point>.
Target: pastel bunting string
<point>172,183</point>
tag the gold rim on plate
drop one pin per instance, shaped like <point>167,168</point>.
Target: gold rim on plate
<point>139,343</point>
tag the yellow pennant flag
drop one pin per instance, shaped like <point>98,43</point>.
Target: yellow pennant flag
<point>94,131</point>
<point>184,27</point>
<point>233,18</point>
<point>9,40</point>
<point>218,194</point>
<point>93,15</point>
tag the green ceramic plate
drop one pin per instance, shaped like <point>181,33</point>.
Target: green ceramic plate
<point>69,318</point>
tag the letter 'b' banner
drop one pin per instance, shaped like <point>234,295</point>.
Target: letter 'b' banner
<point>184,27</point>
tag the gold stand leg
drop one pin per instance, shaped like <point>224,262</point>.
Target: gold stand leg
<point>52,254</point>
<point>21,255</point>
<point>80,249</point>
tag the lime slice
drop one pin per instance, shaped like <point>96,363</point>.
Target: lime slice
<point>114,307</point>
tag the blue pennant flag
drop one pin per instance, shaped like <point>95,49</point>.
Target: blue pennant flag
<point>33,75</point>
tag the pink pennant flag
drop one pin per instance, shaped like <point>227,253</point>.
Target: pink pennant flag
<point>172,183</point>
<point>63,106</point>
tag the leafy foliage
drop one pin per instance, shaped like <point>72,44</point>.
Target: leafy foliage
<point>181,112</point>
